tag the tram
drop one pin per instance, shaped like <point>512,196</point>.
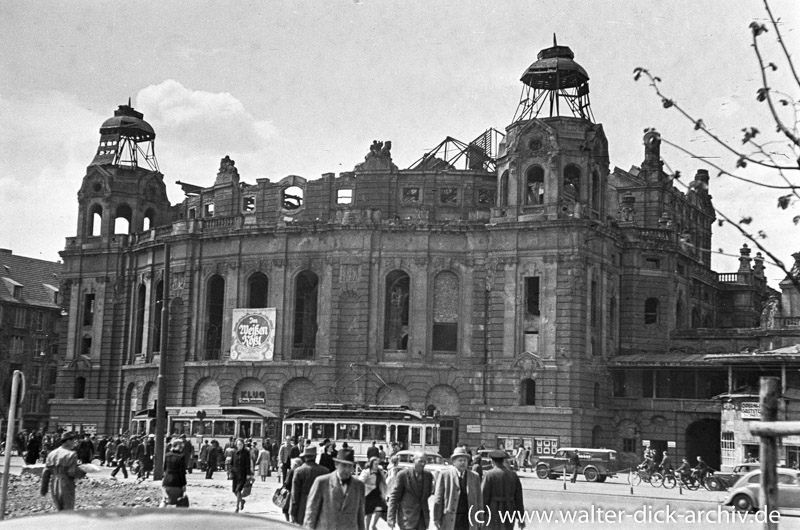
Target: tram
<point>358,426</point>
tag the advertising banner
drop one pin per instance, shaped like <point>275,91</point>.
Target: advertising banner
<point>253,334</point>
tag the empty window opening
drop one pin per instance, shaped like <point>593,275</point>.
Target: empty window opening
<point>141,298</point>
<point>215,304</point>
<point>79,388</point>
<point>527,392</point>
<point>595,191</point>
<point>535,186</point>
<point>572,181</point>
<point>249,204</point>
<point>192,213</point>
<point>652,263</point>
<point>396,311</point>
<point>532,295</point>
<point>209,210</point>
<point>305,315</point>
<point>258,290</point>
<point>502,196</point>
<point>651,311</point>
<point>344,196</point>
<point>122,219</point>
<point>292,198</point>
<point>148,221</point>
<point>445,312</point>
<point>156,318</point>
<point>86,346</point>
<point>88,309</point>
<point>595,309</point>
<point>18,292</point>
<point>96,220</point>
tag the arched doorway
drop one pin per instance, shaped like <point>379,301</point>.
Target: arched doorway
<point>702,439</point>
<point>443,401</point>
<point>207,393</point>
<point>299,393</point>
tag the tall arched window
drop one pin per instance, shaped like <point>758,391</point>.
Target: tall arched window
<point>527,392</point>
<point>149,219</point>
<point>141,299</point>
<point>79,388</point>
<point>446,305</point>
<point>95,220</point>
<point>395,325</point>
<point>534,186</point>
<point>257,290</point>
<point>215,305</point>
<point>651,311</point>
<point>305,315</point>
<point>502,196</point>
<point>156,318</point>
<point>122,219</point>
<point>572,181</point>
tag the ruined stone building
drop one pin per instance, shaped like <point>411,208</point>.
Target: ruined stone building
<point>29,321</point>
<point>518,287</point>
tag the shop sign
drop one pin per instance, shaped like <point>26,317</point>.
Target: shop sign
<point>473,428</point>
<point>248,397</point>
<point>751,410</point>
<point>253,334</point>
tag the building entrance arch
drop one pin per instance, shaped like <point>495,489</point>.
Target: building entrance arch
<point>702,439</point>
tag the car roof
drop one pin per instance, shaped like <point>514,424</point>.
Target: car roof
<point>586,449</point>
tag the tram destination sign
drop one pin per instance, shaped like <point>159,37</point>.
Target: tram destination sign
<point>253,334</point>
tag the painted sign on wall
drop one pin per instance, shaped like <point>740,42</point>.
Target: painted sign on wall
<point>253,334</point>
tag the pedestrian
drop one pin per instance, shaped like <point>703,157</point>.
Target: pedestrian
<point>303,478</point>
<point>477,467</point>
<point>146,460</point>
<point>241,472</point>
<point>188,453</point>
<point>326,458</point>
<point>457,494</point>
<point>373,450</point>
<point>575,464</point>
<point>502,493</point>
<point>33,446</point>
<point>381,455</point>
<point>336,500</point>
<point>85,450</point>
<point>101,450</point>
<point>215,456</point>
<point>111,450</point>
<point>204,449</point>
<point>264,462</point>
<point>375,505</point>
<point>519,456</point>
<point>121,455</point>
<point>229,450</point>
<point>174,482</point>
<point>284,459</point>
<point>253,448</point>
<point>287,485</point>
<point>408,500</point>
<point>62,465</point>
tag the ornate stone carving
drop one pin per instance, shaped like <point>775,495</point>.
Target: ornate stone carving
<point>378,158</point>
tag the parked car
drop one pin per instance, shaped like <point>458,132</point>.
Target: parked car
<point>744,493</point>
<point>596,464</point>
<point>486,462</point>
<point>435,461</point>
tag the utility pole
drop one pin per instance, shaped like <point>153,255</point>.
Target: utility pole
<point>161,403</point>
<point>16,399</point>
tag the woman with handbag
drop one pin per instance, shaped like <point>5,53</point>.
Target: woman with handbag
<point>287,485</point>
<point>375,488</point>
<point>174,482</point>
<point>241,472</point>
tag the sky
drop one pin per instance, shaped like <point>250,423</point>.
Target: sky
<point>302,87</point>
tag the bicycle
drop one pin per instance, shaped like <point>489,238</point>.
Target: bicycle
<point>639,475</point>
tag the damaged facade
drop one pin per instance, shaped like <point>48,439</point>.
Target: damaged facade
<point>531,296</point>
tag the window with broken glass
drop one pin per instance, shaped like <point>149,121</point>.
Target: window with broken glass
<point>445,312</point>
<point>395,333</point>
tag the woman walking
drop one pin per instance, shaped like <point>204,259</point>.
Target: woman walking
<point>174,482</point>
<point>241,472</point>
<point>287,484</point>
<point>376,491</point>
<point>264,463</point>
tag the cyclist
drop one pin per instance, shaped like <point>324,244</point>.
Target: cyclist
<point>666,463</point>
<point>700,470</point>
<point>685,471</point>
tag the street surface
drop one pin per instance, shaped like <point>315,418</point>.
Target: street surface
<point>580,505</point>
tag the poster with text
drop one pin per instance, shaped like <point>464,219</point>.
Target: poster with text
<point>253,334</point>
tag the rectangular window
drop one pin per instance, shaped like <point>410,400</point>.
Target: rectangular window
<point>192,213</point>
<point>545,446</point>
<point>532,295</point>
<point>17,292</point>
<point>39,349</point>
<point>652,263</point>
<point>249,204</point>
<point>39,321</point>
<point>347,431</point>
<point>594,304</point>
<point>52,376</point>
<point>629,445</point>
<point>320,431</point>
<point>224,427</point>
<point>728,448</point>
<point>209,210</point>
<point>445,336</point>
<point>415,438</point>
<point>647,383</point>
<point>17,345</point>
<point>620,383</point>
<point>33,403</point>
<point>88,309</point>
<point>19,318</point>
<point>344,196</point>
<point>373,432</point>
<point>429,436</point>
<point>36,375</point>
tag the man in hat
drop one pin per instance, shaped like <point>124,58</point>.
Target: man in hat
<point>457,489</point>
<point>408,500</point>
<point>502,492</point>
<point>336,500</point>
<point>188,453</point>
<point>373,450</point>
<point>62,465</point>
<point>302,480</point>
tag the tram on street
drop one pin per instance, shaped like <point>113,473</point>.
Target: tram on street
<point>358,426</point>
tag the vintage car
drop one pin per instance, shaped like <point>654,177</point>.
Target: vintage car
<point>744,493</point>
<point>721,481</point>
<point>596,464</point>
<point>434,461</point>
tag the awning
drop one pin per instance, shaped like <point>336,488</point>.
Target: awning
<point>642,360</point>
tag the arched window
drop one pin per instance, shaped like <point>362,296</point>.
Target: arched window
<point>305,315</point>
<point>257,290</point>
<point>95,220</point>
<point>122,219</point>
<point>534,186</point>
<point>79,388</point>
<point>527,392</point>
<point>215,305</point>
<point>395,325</point>
<point>156,318</point>
<point>502,197</point>
<point>446,305</point>
<point>651,311</point>
<point>149,219</point>
<point>572,181</point>
<point>141,298</point>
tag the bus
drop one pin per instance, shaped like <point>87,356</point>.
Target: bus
<point>358,426</point>
<point>210,423</point>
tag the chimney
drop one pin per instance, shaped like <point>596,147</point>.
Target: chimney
<point>758,267</point>
<point>701,180</point>
<point>744,259</point>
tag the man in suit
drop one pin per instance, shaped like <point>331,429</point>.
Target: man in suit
<point>457,489</point>
<point>302,480</point>
<point>336,500</point>
<point>408,500</point>
<point>502,491</point>
<point>373,450</point>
